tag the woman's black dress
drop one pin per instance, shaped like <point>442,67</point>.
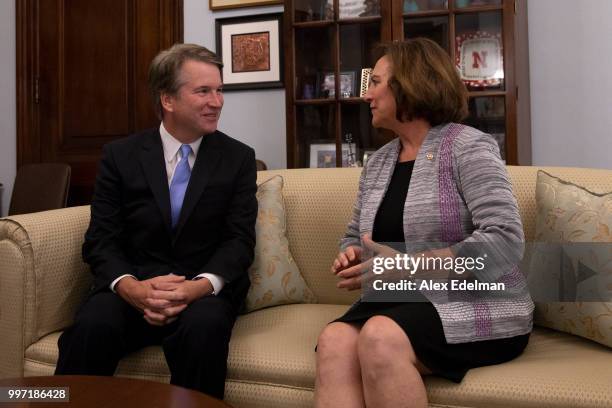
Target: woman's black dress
<point>420,320</point>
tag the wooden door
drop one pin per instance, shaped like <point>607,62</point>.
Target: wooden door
<point>82,77</point>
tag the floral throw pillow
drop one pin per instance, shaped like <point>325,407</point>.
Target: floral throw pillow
<point>580,269</point>
<point>275,277</point>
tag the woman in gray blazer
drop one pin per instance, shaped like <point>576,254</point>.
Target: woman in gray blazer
<point>438,181</point>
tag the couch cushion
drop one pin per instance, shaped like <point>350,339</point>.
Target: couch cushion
<point>566,213</point>
<point>556,370</point>
<point>524,184</point>
<point>275,277</point>
<point>275,347</point>
<point>319,204</point>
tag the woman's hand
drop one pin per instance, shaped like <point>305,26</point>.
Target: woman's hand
<point>354,272</point>
<point>348,267</point>
<point>353,276</point>
<point>350,257</point>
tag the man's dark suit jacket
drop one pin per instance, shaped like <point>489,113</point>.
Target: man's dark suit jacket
<point>130,231</point>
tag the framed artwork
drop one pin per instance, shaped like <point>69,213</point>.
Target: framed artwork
<point>250,48</point>
<point>327,84</point>
<point>479,58</point>
<point>230,4</point>
<point>323,155</point>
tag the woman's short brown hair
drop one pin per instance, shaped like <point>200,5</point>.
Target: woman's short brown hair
<point>165,69</point>
<point>425,82</point>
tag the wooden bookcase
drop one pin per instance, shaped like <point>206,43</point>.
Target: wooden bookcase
<point>330,39</point>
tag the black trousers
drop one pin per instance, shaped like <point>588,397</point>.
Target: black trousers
<point>107,328</point>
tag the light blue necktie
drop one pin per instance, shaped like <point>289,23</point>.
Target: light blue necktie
<point>179,183</point>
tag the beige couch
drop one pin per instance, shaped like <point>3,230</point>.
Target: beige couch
<point>272,360</point>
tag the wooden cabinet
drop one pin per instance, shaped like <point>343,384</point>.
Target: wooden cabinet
<point>329,42</point>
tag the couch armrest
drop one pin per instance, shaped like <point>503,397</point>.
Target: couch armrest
<point>43,278</point>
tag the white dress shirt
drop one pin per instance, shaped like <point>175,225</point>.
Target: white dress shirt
<point>172,156</point>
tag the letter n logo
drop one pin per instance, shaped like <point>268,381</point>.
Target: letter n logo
<point>479,59</point>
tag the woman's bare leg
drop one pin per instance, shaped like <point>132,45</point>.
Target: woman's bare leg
<point>390,370</point>
<point>338,381</point>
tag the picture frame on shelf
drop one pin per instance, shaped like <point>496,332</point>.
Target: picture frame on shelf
<point>232,4</point>
<point>365,81</point>
<point>323,155</point>
<point>479,58</point>
<point>251,51</point>
<point>327,84</point>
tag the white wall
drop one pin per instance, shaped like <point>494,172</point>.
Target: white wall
<point>570,58</point>
<point>256,118</point>
<point>8,149</point>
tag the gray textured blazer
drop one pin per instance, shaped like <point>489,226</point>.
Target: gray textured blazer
<point>459,193</point>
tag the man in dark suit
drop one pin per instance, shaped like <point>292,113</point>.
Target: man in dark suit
<point>171,236</point>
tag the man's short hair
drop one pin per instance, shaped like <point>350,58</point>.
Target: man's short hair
<point>164,71</point>
<point>425,82</point>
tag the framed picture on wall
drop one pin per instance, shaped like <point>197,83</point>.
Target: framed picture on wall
<point>230,4</point>
<point>250,48</point>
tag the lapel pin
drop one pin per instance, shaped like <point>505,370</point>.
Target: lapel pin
<point>429,156</point>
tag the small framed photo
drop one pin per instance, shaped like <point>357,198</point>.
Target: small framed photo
<point>327,84</point>
<point>323,155</point>
<point>365,81</point>
<point>251,50</point>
